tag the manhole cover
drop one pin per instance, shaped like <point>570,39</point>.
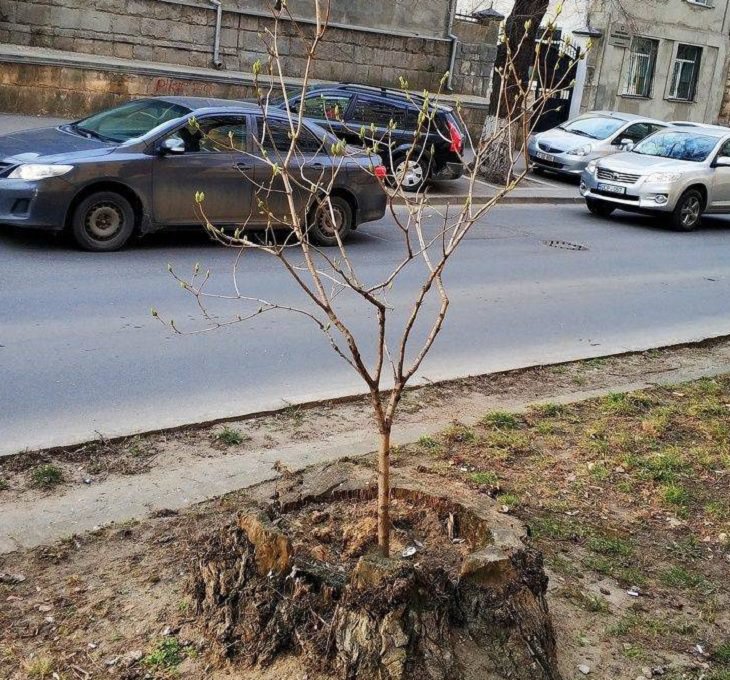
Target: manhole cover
<point>565,245</point>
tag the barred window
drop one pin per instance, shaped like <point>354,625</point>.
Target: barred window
<point>685,72</point>
<point>642,61</point>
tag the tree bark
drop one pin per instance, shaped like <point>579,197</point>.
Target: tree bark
<point>384,491</point>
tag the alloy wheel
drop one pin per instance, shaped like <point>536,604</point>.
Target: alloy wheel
<point>690,211</point>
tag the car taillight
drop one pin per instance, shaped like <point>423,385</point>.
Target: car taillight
<point>457,140</point>
<point>381,172</point>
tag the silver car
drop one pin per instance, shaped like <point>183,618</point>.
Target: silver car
<point>568,148</point>
<point>680,173</point>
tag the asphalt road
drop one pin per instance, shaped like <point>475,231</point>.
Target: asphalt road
<point>80,352</point>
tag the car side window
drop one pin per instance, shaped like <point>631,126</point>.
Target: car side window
<point>373,112</point>
<point>636,132</point>
<point>214,135</point>
<point>325,106</point>
<point>724,149</point>
<point>275,135</point>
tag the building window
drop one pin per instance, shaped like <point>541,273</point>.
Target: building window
<point>642,60</point>
<point>685,71</point>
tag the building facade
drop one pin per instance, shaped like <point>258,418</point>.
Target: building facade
<point>662,58</point>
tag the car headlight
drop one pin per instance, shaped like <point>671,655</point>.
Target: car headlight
<point>33,171</point>
<point>662,177</point>
<point>591,167</point>
<point>581,150</point>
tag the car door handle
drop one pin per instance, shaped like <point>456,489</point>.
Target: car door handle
<point>318,166</point>
<point>244,166</point>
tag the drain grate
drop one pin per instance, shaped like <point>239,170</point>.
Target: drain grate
<point>565,245</point>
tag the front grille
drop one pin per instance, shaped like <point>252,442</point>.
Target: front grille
<point>622,177</point>
<point>546,164</point>
<point>5,169</point>
<point>610,194</point>
<point>550,149</point>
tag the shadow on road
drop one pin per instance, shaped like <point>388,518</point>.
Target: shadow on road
<point>38,240</point>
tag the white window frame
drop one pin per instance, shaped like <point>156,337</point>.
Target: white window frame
<point>709,4</point>
<point>674,73</point>
<point>635,60</point>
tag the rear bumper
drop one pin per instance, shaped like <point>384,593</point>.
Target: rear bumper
<point>371,205</point>
<point>449,171</point>
<point>33,205</point>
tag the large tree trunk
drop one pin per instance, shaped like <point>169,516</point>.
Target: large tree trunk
<point>508,100</point>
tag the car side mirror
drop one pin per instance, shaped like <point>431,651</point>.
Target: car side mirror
<point>722,162</point>
<point>172,145</point>
<point>627,144</point>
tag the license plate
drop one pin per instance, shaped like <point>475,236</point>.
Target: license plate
<point>611,188</point>
<point>545,157</point>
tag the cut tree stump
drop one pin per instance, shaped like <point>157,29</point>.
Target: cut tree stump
<point>259,595</point>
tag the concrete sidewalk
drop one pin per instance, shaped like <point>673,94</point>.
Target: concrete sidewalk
<point>531,190</point>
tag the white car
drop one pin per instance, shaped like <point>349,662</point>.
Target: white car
<point>568,148</point>
<point>679,172</point>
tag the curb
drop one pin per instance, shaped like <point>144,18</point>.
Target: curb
<point>350,398</point>
<point>507,200</point>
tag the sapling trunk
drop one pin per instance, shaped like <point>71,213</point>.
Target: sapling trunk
<point>384,492</point>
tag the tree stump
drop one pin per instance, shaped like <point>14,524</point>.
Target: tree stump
<point>480,613</point>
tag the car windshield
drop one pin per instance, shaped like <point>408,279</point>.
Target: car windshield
<point>681,146</point>
<point>129,120</point>
<point>595,127</point>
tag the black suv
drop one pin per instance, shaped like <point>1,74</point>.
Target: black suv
<point>345,108</point>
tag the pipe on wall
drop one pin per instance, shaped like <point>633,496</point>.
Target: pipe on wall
<point>454,47</point>
<point>217,41</point>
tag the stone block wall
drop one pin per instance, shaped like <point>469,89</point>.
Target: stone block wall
<point>183,31</point>
<point>475,57</point>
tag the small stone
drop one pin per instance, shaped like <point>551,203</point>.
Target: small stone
<point>92,645</point>
<point>410,551</point>
<point>45,608</point>
<point>584,669</point>
<point>504,509</point>
<point>647,672</point>
<point>133,657</point>
<point>723,538</point>
<point>619,470</point>
<point>11,578</point>
<point>633,592</point>
<point>604,591</point>
<point>658,670</point>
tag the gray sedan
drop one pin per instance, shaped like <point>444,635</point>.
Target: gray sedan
<point>137,168</point>
<point>568,148</point>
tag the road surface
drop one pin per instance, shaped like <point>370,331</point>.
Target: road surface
<point>80,353</point>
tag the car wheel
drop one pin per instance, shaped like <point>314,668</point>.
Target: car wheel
<point>600,208</point>
<point>688,211</point>
<point>102,222</point>
<point>410,173</point>
<point>322,229</point>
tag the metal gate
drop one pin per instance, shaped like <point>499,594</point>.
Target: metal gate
<point>558,65</point>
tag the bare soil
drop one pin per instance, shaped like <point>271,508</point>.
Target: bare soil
<point>342,532</point>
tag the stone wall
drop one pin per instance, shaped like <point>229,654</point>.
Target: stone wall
<point>423,17</point>
<point>182,32</point>
<point>475,56</point>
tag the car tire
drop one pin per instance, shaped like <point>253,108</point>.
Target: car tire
<point>413,170</point>
<point>319,225</point>
<point>688,211</point>
<point>600,208</point>
<point>102,222</point>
